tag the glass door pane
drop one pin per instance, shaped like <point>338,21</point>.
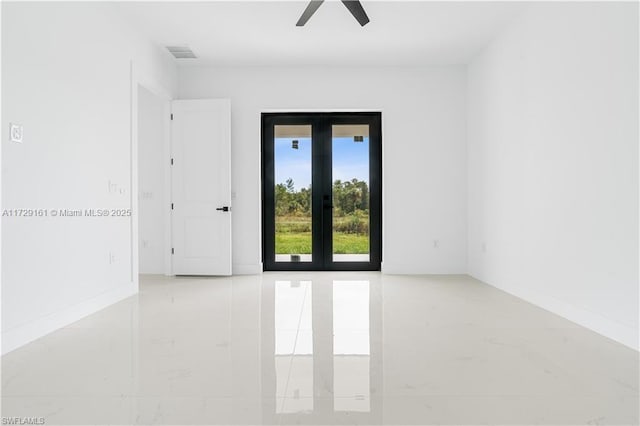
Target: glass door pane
<point>292,193</point>
<point>350,193</point>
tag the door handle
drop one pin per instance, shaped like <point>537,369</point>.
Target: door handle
<point>223,209</point>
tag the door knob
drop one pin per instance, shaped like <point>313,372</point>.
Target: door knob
<point>223,209</point>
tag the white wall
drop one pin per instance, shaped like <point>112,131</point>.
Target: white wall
<point>553,163</point>
<point>152,205</point>
<point>67,78</point>
<point>424,151</point>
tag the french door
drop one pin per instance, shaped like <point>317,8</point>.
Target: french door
<point>322,191</point>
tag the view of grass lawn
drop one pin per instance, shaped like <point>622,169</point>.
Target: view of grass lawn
<point>300,243</point>
<point>293,235</point>
<point>293,242</point>
<point>350,243</point>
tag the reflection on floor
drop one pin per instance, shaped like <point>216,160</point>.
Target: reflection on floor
<point>322,348</point>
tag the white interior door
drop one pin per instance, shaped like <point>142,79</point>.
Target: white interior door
<point>201,187</point>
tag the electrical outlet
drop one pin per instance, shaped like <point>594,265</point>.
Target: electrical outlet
<point>15,132</point>
<point>114,188</point>
<point>436,244</point>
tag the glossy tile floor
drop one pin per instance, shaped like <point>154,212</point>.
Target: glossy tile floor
<point>322,348</point>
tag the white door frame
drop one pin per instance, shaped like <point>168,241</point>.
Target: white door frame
<point>138,79</point>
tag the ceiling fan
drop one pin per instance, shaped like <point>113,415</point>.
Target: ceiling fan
<point>354,7</point>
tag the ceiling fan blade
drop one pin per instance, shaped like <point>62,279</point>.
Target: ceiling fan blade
<point>357,11</point>
<point>308,12</point>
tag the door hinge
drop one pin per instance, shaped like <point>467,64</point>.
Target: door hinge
<point>171,206</point>
<point>172,161</point>
<point>172,116</point>
<point>172,250</point>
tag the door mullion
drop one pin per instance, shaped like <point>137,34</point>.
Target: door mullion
<point>327,195</point>
<point>317,184</point>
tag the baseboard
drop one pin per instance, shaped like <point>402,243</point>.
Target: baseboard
<point>19,336</point>
<point>247,269</point>
<point>607,327</point>
<point>399,269</point>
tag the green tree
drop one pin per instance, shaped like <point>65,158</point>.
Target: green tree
<point>349,198</point>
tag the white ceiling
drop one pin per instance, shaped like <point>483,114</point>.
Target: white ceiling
<point>242,33</point>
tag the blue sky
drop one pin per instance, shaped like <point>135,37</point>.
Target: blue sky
<point>350,160</point>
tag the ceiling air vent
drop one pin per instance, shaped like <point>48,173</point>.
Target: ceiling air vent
<point>181,52</point>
